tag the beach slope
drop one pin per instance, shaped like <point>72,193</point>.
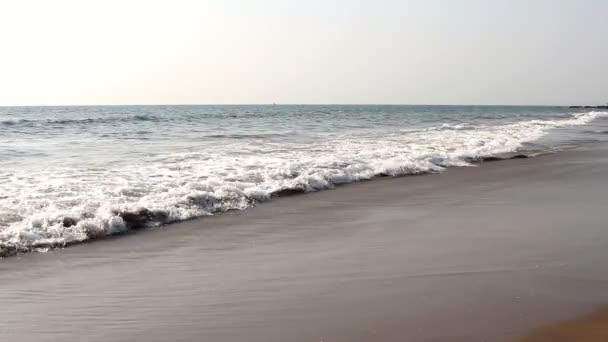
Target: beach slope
<point>488,253</point>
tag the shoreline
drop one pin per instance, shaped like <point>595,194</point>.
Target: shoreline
<point>179,186</point>
<point>136,221</point>
<point>484,253</point>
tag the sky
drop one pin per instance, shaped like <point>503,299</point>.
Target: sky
<point>90,52</point>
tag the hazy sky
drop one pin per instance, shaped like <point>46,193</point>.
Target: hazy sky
<point>307,51</point>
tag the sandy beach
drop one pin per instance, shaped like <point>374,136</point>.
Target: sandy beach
<point>490,253</point>
<point>304,171</point>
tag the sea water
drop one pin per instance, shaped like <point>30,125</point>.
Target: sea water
<point>70,174</point>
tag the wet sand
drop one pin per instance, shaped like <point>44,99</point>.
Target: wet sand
<point>492,253</point>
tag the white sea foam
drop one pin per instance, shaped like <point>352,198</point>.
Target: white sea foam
<point>61,205</point>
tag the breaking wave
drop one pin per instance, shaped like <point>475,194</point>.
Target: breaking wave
<point>60,206</point>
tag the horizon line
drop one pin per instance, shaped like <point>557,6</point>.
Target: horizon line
<point>287,104</point>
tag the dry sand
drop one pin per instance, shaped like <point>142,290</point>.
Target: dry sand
<point>589,328</point>
<point>490,253</point>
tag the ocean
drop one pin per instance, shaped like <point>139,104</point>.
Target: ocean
<point>72,174</point>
